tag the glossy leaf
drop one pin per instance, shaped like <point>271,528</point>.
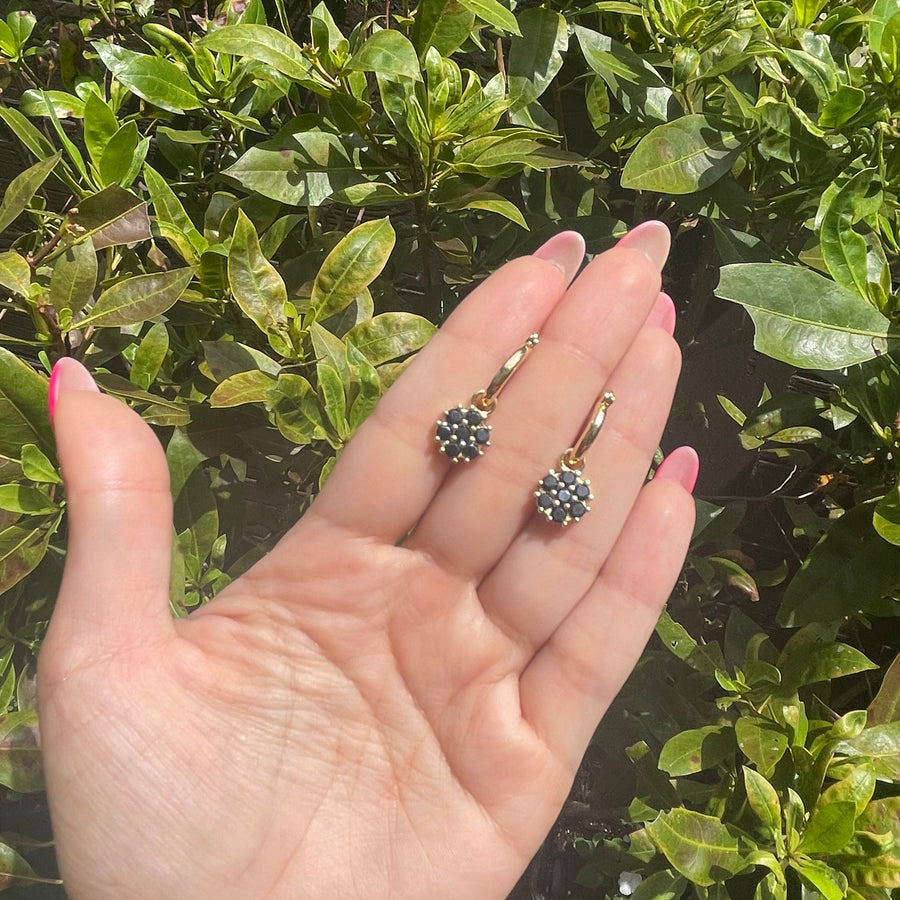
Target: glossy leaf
<point>803,318</point>
<point>255,284</point>
<point>100,124</point>
<point>681,157</point>
<point>851,568</point>
<point>886,516</point>
<point>829,828</point>
<point>763,800</point>
<point>334,400</point>
<point>886,705</point>
<point>22,547</point>
<point>20,752</point>
<point>262,43</point>
<point>295,405</point>
<point>227,358</point>
<point>857,788</point>
<point>15,273</point>
<point>536,57</point>
<point>40,103</point>
<point>350,267</point>
<point>442,24</point>
<point>761,741</point>
<point>173,222</point>
<point>23,407</point>
<point>22,189</point>
<point>36,466</point>
<point>699,847</point>
<point>812,662</point>
<point>390,336</point>
<point>118,155</point>
<point>842,106</point>
<point>150,355</point>
<point>495,14</point>
<point>138,298</point>
<point>74,277</point>
<point>696,749</point>
<point>251,386</point>
<point>22,498</point>
<point>111,217</point>
<point>152,78</point>
<point>879,740</point>
<point>828,882</point>
<point>389,53</point>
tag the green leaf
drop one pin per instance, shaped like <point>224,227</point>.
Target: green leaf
<point>879,740</point>
<point>15,273</point>
<point>262,43</point>
<point>495,14</point>
<point>761,741</point>
<point>664,885</point>
<point>842,106</point>
<point>22,189</point>
<point>255,284</point>
<point>367,384</point>
<point>173,222</point>
<point>350,267</point>
<point>696,749</point>
<point>21,549</point>
<point>886,705</point>
<point>886,517</point>
<point>118,155</point>
<point>138,298</point>
<point>150,355</point>
<point>829,828</point>
<point>881,13</point>
<point>295,405</point>
<point>40,103</point>
<point>36,466</point>
<point>681,157</point>
<point>699,847</point>
<point>763,800</point>
<point>388,53</point>
<point>843,250</point>
<point>676,639</point>
<point>155,80</point>
<point>20,752</point>
<point>100,124</point>
<point>850,569</point>
<point>23,408</point>
<point>828,882</point>
<point>22,498</point>
<point>500,206</point>
<point>74,277</point>
<point>334,400</point>
<point>807,11</point>
<point>803,318</point>
<point>251,386</point>
<point>227,358</point>
<point>857,788</point>
<point>809,663</point>
<point>442,24</point>
<point>390,336</point>
<point>303,169</point>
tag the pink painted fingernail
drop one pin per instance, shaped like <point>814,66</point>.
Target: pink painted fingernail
<point>565,250</point>
<point>681,466</point>
<point>68,375</point>
<point>663,313</point>
<point>650,238</point>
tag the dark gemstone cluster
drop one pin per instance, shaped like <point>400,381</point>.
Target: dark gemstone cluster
<point>463,433</point>
<point>563,496</point>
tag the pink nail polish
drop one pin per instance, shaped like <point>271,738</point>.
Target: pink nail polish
<point>68,375</point>
<point>681,466</point>
<point>663,314</point>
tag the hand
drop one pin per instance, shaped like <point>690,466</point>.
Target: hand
<point>369,713</point>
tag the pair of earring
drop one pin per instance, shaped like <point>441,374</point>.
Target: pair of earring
<point>463,434</point>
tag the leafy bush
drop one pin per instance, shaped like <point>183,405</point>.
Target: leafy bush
<point>244,222</point>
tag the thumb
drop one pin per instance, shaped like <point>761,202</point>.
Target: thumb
<point>115,587</point>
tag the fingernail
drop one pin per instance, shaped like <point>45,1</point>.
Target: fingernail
<point>68,375</point>
<point>650,238</point>
<point>565,250</point>
<point>681,466</point>
<point>663,313</point>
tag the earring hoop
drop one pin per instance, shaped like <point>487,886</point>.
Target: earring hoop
<point>463,433</point>
<point>564,496</point>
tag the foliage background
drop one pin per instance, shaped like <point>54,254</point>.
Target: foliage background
<point>245,219</point>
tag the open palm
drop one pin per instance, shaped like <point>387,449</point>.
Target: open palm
<point>393,702</point>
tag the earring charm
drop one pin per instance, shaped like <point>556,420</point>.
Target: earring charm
<point>463,432</point>
<point>564,496</point>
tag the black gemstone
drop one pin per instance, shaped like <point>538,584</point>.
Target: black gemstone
<point>545,501</point>
<point>454,416</point>
<point>482,435</point>
<point>471,451</point>
<point>549,483</point>
<point>473,417</point>
<point>582,491</point>
<point>558,514</point>
<point>444,432</point>
<point>567,477</point>
<point>452,450</point>
<point>564,496</point>
<point>578,510</point>
<point>463,433</point>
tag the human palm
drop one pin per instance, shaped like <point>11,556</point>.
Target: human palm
<point>393,702</point>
